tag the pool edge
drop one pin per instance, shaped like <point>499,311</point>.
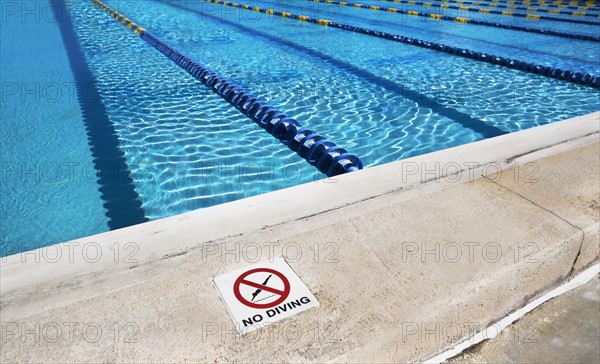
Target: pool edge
<point>179,233</point>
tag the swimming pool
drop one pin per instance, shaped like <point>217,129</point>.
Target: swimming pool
<point>179,146</point>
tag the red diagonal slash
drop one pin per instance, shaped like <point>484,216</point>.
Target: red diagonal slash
<point>264,288</point>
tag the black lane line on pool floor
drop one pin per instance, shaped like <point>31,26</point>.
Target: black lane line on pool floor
<point>117,190</point>
<point>536,69</point>
<point>457,116</point>
<point>459,20</point>
<point>325,155</point>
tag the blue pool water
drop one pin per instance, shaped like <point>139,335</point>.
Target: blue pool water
<point>186,148</point>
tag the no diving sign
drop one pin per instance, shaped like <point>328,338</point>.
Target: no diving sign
<point>263,294</point>
<point>249,278</point>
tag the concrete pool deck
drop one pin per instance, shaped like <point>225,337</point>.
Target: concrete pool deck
<point>407,259</point>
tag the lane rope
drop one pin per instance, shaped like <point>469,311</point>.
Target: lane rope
<point>520,7</point>
<point>461,20</point>
<point>575,5</point>
<point>572,4</point>
<point>503,13</point>
<point>546,71</point>
<point>325,155</point>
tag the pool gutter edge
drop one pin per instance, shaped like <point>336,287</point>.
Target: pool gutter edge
<point>177,234</point>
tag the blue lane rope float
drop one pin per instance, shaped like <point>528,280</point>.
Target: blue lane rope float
<point>329,158</point>
<point>461,20</point>
<point>503,13</point>
<point>546,71</point>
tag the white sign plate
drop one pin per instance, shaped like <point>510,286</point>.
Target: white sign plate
<point>263,294</point>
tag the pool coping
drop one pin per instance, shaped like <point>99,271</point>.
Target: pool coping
<point>177,234</point>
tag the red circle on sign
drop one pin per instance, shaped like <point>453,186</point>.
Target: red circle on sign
<point>242,280</point>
